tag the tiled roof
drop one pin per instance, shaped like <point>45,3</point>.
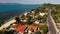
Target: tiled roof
<point>20,27</point>
<point>32,27</point>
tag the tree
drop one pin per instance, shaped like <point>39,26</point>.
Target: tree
<point>38,32</point>
<point>44,28</point>
<point>29,20</point>
<point>17,19</point>
<point>0,32</point>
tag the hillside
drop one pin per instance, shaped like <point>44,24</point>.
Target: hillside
<point>55,10</point>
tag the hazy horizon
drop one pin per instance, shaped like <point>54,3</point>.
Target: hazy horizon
<point>31,1</point>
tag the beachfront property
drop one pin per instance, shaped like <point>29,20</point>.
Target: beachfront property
<point>27,23</point>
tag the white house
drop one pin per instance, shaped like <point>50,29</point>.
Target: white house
<point>36,22</point>
<point>42,14</point>
<point>25,13</point>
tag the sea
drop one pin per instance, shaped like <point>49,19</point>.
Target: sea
<point>9,10</point>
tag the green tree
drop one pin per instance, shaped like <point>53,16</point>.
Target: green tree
<point>29,20</point>
<point>17,19</point>
<point>38,32</point>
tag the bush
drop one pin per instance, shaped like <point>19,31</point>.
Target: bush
<point>17,19</point>
<point>44,28</point>
<point>38,32</point>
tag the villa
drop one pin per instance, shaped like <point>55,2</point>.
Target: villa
<point>24,28</point>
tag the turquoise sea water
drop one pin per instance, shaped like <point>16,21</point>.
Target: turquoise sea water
<point>10,10</point>
<point>8,6</point>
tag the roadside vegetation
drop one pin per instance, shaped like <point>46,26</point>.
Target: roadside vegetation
<point>55,11</point>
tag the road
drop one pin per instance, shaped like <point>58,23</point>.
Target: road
<point>51,25</point>
<point>7,24</point>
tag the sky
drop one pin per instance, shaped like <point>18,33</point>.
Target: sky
<point>31,1</point>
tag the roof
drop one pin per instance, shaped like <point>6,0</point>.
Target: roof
<point>32,27</point>
<point>42,14</point>
<point>20,27</point>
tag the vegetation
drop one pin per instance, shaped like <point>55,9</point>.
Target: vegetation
<point>55,14</point>
<point>29,20</point>
<point>44,28</point>
<point>55,11</point>
<point>37,32</point>
<point>17,19</point>
<point>7,32</point>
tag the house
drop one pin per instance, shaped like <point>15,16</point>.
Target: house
<point>32,28</point>
<point>24,28</point>
<point>25,13</point>
<point>24,20</point>
<point>42,14</point>
<point>36,22</point>
<point>20,28</point>
<point>33,12</point>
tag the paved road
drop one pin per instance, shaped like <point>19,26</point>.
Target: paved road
<point>7,24</point>
<point>51,26</point>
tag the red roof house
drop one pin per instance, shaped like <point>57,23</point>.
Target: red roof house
<point>20,27</point>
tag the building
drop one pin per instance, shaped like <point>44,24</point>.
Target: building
<point>24,28</point>
<point>20,28</point>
